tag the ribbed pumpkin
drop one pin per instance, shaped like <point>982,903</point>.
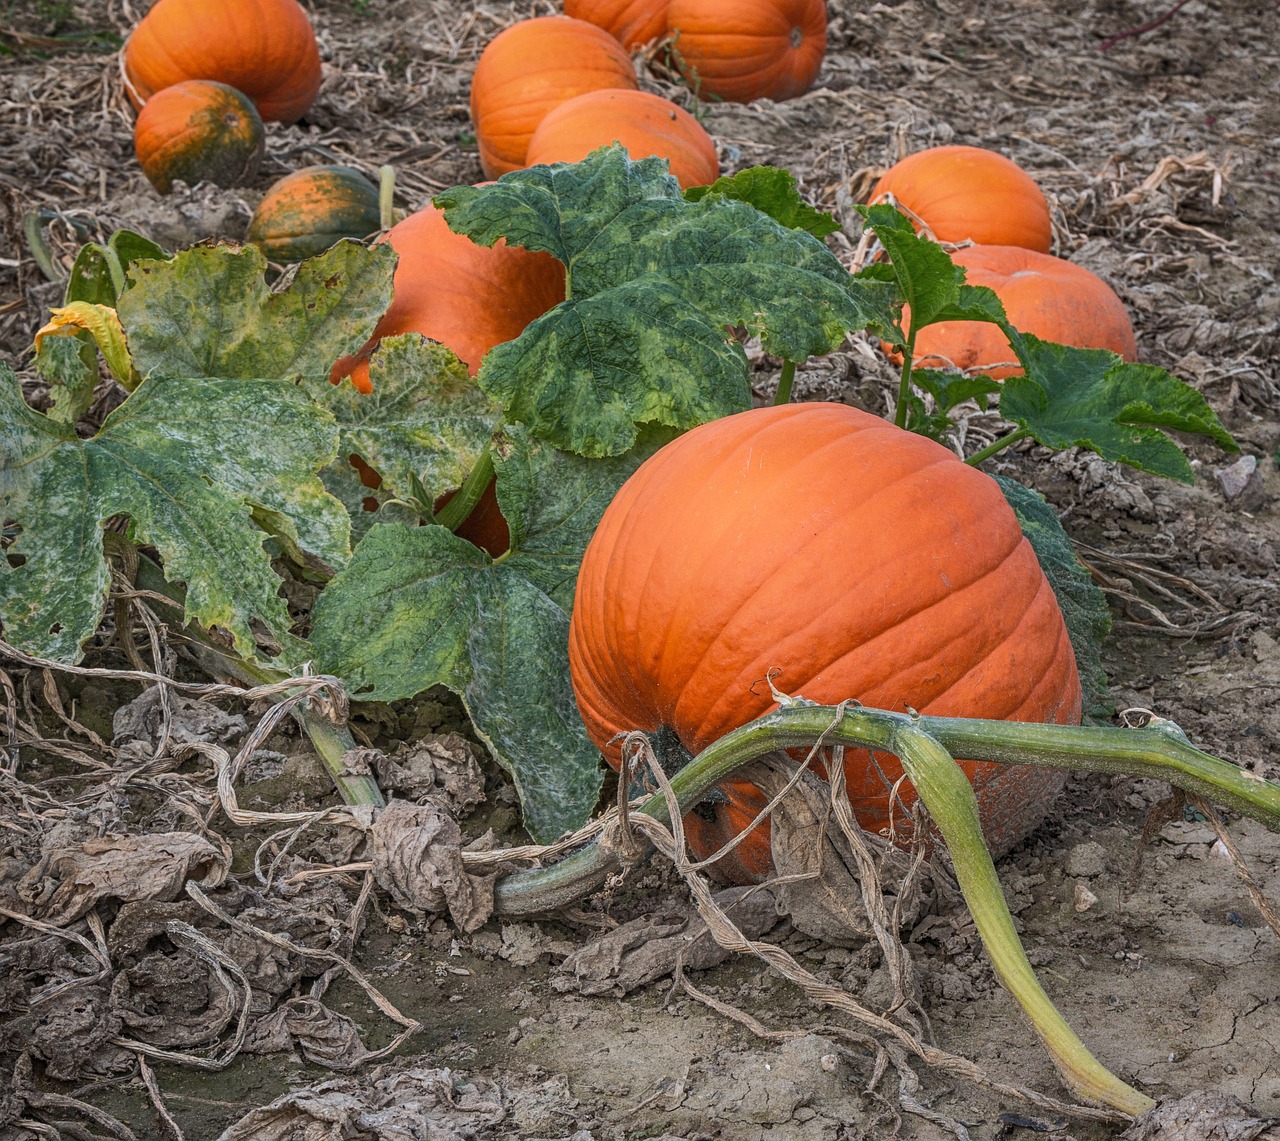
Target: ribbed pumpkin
<point>265,48</point>
<point>528,69</point>
<point>198,131</point>
<point>1056,300</point>
<point>740,50</point>
<point>466,296</point>
<point>971,194</point>
<point>633,23</point>
<point>306,212</point>
<point>645,125</point>
<point>850,558</point>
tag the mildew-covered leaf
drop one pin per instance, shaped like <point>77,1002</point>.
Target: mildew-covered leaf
<point>209,312</point>
<point>653,282</point>
<point>418,606</point>
<point>188,462</point>
<point>425,417</point>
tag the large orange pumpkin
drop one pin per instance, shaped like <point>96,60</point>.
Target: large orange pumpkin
<point>265,48</point>
<point>1054,299</point>
<point>531,67</point>
<point>466,296</point>
<point>969,194</point>
<point>643,123</point>
<point>851,558</point>
<point>633,23</point>
<point>198,131</point>
<point>306,212</point>
<point>740,50</point>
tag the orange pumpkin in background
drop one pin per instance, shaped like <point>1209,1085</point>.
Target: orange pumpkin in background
<point>198,131</point>
<point>645,124</point>
<point>530,68</point>
<point>466,296</point>
<point>740,50</point>
<point>633,23</point>
<point>727,558</point>
<point>1056,300</point>
<point>265,48</point>
<point>969,194</point>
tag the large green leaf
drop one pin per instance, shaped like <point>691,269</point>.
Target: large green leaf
<point>208,312</point>
<point>418,606</point>
<point>653,282</point>
<point>425,418</point>
<point>1081,602</point>
<point>189,462</point>
<point>1092,398</point>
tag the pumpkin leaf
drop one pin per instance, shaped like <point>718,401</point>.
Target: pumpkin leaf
<point>189,463</point>
<point>1082,604</point>
<point>208,312</point>
<point>70,366</point>
<point>948,389</point>
<point>652,282</point>
<point>772,191</point>
<point>424,419</point>
<point>1091,398</point>
<point>418,606</point>
<point>93,277</point>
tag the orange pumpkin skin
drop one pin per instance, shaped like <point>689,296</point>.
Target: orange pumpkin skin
<point>199,131</point>
<point>740,50</point>
<point>645,124</point>
<point>465,296</point>
<point>531,67</point>
<point>970,194</point>
<point>306,212</point>
<point>1056,300</point>
<point>265,48</point>
<point>850,558</point>
<point>633,23</point>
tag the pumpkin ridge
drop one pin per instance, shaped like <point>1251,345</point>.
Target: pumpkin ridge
<point>821,537</point>
<point>868,646</point>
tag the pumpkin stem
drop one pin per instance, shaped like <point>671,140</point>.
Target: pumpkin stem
<point>904,384</point>
<point>949,797</point>
<point>454,513</point>
<point>332,739</point>
<point>783,395</point>
<point>997,446</point>
<point>386,197</point>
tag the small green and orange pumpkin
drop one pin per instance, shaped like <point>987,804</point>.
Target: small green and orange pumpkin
<point>198,131</point>
<point>304,213</point>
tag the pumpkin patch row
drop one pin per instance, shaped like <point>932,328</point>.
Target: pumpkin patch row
<point>993,211</point>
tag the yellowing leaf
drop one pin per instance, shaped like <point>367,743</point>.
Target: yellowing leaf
<point>102,323</point>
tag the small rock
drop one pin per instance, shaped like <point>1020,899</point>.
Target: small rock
<point>1087,860</point>
<point>1235,478</point>
<point>1084,898</point>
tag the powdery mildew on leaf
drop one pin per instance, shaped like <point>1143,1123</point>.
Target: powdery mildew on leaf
<point>209,312</point>
<point>652,282</point>
<point>187,461</point>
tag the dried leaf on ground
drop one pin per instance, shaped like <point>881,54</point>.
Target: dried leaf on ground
<point>67,882</point>
<point>1206,1115</point>
<point>416,1103</point>
<point>443,766</point>
<point>416,851</point>
<point>323,1037</point>
<point>646,949</point>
